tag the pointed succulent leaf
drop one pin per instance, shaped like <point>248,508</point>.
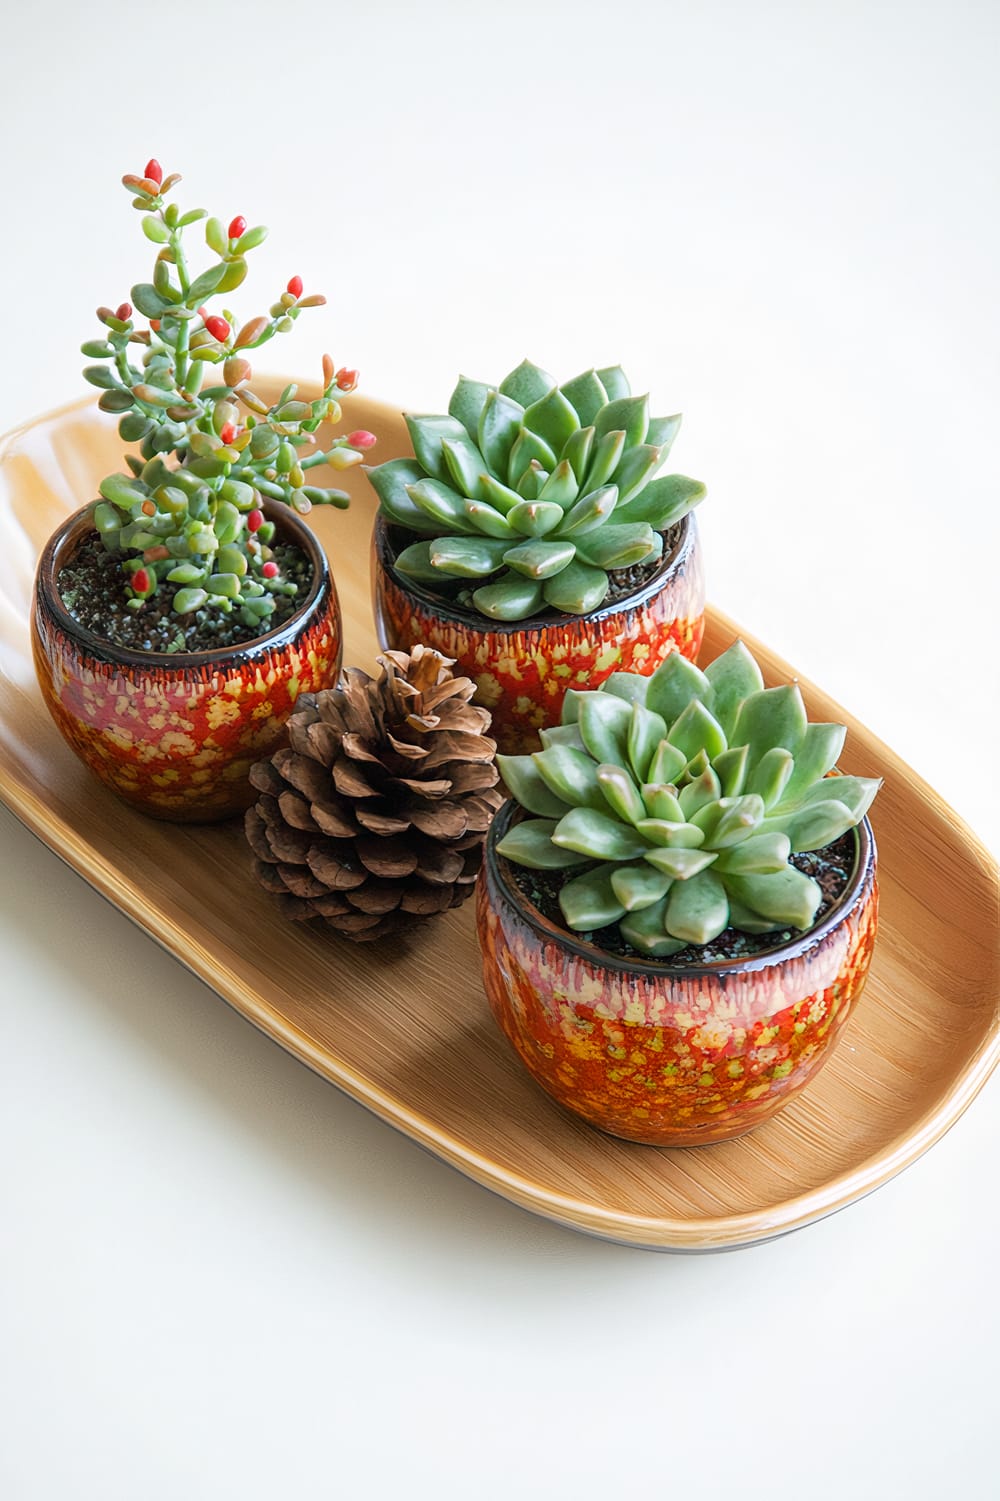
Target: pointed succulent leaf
<point>538,558</point>
<point>530,843</point>
<point>666,834</point>
<point>661,802</point>
<point>815,826</point>
<point>856,793</point>
<point>414,562</point>
<point>467,557</point>
<point>758,855</point>
<point>512,597</point>
<point>637,467</point>
<point>770,776</point>
<point>589,901</point>
<point>586,395</point>
<point>528,449</point>
<point>499,426</point>
<point>621,793</point>
<point>604,724</point>
<point>426,434</point>
<point>696,729</point>
<point>698,908</point>
<point>526,384</point>
<point>774,716</point>
<point>617,546</point>
<point>529,486</point>
<point>627,685</point>
<point>465,465</point>
<point>605,458</point>
<point>441,504</point>
<point>646,932</point>
<point>729,820</point>
<point>667,764</point>
<point>817,754</point>
<point>733,676</point>
<point>680,863</point>
<point>786,898</point>
<point>673,685</point>
<point>534,518</point>
<point>746,921</point>
<point>590,511</point>
<point>666,500</point>
<point>598,836</point>
<point>561,486</point>
<point>466,404</point>
<point>662,431</point>
<point>526,784</point>
<point>615,382</point>
<point>500,496</point>
<point>731,769</point>
<point>578,589</point>
<point>704,789</point>
<point>489,521</point>
<point>638,886</point>
<point>645,733</point>
<point>553,418</point>
<point>629,414</point>
<point>390,482</point>
<point>564,734</point>
<point>570,773</point>
<point>577,450</point>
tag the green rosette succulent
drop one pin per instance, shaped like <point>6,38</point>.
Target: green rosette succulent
<point>684,794</point>
<point>536,490</point>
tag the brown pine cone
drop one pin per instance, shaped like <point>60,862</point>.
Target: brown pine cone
<point>374,817</point>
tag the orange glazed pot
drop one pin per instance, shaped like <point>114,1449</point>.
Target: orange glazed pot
<point>671,1057</point>
<point>175,734</point>
<point>523,668</point>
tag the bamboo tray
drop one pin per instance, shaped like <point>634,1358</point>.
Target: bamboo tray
<point>405,1028</point>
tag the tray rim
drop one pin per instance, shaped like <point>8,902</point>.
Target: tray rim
<point>659,1232</point>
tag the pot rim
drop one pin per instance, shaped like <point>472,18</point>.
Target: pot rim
<point>675,559</point>
<point>496,868</point>
<point>78,522</point>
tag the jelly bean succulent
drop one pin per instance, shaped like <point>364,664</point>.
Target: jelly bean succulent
<point>536,490</point>
<point>188,512</point>
<point>684,795</point>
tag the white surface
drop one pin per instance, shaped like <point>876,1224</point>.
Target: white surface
<point>218,1277</point>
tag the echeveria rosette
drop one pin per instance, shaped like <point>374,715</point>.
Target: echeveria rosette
<point>196,522</point>
<point>535,488</point>
<point>684,794</point>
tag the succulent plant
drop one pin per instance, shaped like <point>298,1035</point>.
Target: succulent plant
<point>684,794</point>
<point>536,490</point>
<point>189,510</point>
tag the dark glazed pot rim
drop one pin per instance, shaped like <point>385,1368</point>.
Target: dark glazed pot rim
<point>66,537</point>
<point>497,869</point>
<point>673,562</point>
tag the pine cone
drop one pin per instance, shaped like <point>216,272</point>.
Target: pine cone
<point>375,815</point>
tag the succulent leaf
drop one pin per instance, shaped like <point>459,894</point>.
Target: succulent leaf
<point>817,755</point>
<point>615,382</point>
<point>586,395</point>
<point>530,843</point>
<point>698,908</point>
<point>527,384</point>
<point>772,717</point>
<point>441,504</point>
<point>786,897</point>
<point>621,793</point>
<point>528,449</point>
<point>630,414</point>
<point>577,589</point>
<point>499,424</point>
<point>673,686</point>
<point>606,456</point>
<point>526,783</point>
<point>534,518</point>
<point>605,722</point>
<point>426,434</point>
<point>390,482</point>
<point>644,735</point>
<point>598,836</point>
<point>553,418</point>
<point>590,901</point>
<point>664,501</point>
<point>539,558</point>
<point>646,932</point>
<point>577,452</point>
<point>771,775</point>
<point>569,773</point>
<point>466,404</point>
<point>512,597</point>
<point>640,885</point>
<point>662,431</point>
<point>617,546</point>
<point>466,557</point>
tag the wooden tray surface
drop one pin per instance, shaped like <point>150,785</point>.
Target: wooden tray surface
<point>405,1028</point>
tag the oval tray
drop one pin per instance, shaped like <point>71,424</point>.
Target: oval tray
<point>405,1028</point>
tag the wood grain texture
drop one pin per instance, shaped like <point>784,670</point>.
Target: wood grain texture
<point>405,1028</point>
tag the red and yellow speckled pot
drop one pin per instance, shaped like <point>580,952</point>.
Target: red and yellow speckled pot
<point>671,1057</point>
<point>176,735</point>
<point>522,670</point>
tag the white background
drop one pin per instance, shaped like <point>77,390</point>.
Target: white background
<point>218,1277</point>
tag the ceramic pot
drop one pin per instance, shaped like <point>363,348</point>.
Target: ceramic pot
<point>671,1057</point>
<point>176,734</point>
<point>523,669</point>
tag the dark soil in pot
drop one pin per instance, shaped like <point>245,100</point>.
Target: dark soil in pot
<point>624,582</point>
<point>91,587</point>
<point>832,867</point>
